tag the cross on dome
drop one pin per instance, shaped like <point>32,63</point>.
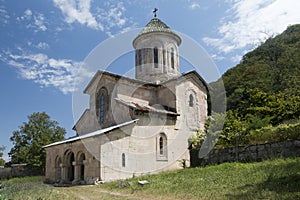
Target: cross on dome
<point>154,11</point>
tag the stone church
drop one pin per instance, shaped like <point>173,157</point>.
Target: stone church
<point>134,126</point>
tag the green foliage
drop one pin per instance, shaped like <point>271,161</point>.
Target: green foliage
<point>2,161</point>
<point>272,69</point>
<point>183,163</point>
<point>198,139</point>
<point>276,107</point>
<point>40,130</point>
<point>212,129</point>
<point>263,91</point>
<point>278,133</point>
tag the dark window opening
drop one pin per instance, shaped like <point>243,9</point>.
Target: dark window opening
<point>123,159</point>
<point>191,100</point>
<point>101,114</point>
<point>102,104</point>
<point>172,58</point>
<point>155,52</point>
<point>161,146</point>
<point>140,59</point>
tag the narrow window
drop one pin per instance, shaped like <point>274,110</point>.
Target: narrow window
<point>161,146</point>
<point>102,108</point>
<point>172,58</point>
<point>123,159</point>
<point>191,100</point>
<point>140,58</point>
<point>155,52</point>
<point>101,104</point>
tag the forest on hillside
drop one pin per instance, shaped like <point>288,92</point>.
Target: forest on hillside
<point>263,94</point>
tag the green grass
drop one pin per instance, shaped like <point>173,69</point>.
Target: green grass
<point>273,179</point>
<point>33,188</point>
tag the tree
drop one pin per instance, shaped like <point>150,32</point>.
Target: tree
<point>2,161</point>
<point>28,141</point>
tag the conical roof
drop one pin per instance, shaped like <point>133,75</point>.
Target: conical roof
<point>156,25</point>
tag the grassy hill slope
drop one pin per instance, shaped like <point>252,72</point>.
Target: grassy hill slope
<point>274,179</point>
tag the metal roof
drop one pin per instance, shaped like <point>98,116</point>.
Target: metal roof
<point>92,134</point>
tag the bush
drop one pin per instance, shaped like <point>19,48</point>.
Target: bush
<point>275,134</point>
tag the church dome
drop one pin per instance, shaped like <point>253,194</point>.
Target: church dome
<point>156,52</point>
<point>157,26</point>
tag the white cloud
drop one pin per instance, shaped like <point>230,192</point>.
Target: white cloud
<point>194,6</point>
<point>63,74</point>
<point>42,45</point>
<point>217,57</point>
<point>249,23</point>
<point>4,17</point>
<point>105,18</point>
<point>28,13</point>
<point>36,21</point>
<point>39,22</point>
<point>78,10</point>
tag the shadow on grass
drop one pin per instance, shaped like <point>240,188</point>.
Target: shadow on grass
<point>278,186</point>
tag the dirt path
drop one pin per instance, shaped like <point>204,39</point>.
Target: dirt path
<point>95,193</point>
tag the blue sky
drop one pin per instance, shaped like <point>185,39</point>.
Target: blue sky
<point>43,43</point>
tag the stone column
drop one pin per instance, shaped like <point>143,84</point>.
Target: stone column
<point>76,173</point>
<point>63,176</point>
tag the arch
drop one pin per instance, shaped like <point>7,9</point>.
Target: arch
<point>58,163</point>
<point>80,161</point>
<point>192,108</point>
<point>101,104</point>
<point>172,57</point>
<point>69,159</point>
<point>162,148</point>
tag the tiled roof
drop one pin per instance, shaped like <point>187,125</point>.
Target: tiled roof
<point>145,107</point>
<point>156,25</point>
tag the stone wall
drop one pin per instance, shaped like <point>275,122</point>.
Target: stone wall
<point>19,170</point>
<point>5,173</point>
<point>250,153</point>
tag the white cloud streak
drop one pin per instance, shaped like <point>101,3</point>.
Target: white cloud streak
<point>36,21</point>
<point>251,22</point>
<point>4,16</point>
<point>63,74</point>
<point>194,6</point>
<point>78,11</point>
<point>101,19</point>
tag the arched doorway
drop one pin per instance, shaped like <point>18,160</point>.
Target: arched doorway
<point>58,169</point>
<point>81,158</point>
<point>70,167</point>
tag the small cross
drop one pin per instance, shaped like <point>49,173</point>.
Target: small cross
<point>154,11</point>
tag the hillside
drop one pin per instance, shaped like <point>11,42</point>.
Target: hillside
<point>272,68</point>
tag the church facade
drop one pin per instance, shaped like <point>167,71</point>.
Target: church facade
<point>134,126</point>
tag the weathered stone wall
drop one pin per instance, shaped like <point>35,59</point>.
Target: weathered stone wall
<point>19,170</point>
<point>247,153</point>
<point>5,173</point>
